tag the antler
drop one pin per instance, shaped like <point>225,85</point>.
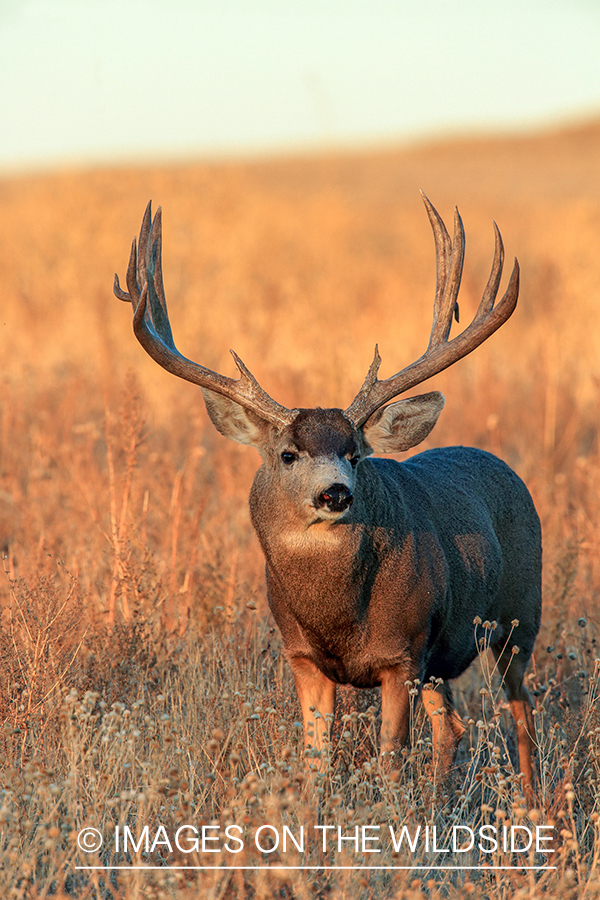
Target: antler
<point>153,330</point>
<point>442,353</point>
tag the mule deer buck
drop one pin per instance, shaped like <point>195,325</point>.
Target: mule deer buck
<point>376,569</point>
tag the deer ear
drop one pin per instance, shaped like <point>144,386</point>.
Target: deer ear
<point>234,421</point>
<point>404,424</point>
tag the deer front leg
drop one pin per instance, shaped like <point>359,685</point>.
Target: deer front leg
<point>395,710</point>
<point>316,693</point>
<point>446,726</point>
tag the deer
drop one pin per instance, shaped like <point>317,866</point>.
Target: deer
<point>377,569</point>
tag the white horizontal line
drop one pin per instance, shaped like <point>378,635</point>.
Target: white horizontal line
<point>321,868</point>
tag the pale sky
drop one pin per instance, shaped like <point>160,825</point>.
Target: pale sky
<point>103,81</point>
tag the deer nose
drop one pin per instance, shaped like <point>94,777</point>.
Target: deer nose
<point>336,498</point>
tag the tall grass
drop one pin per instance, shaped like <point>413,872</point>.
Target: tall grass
<point>143,682</point>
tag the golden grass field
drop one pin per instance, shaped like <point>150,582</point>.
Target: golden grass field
<point>143,682</point>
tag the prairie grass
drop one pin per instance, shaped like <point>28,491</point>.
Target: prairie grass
<point>143,682</point>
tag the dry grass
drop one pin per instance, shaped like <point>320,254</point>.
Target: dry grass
<point>143,682</point>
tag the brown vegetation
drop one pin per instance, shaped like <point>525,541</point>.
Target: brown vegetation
<point>142,680</point>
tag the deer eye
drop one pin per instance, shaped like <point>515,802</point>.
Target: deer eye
<point>354,461</point>
<point>288,457</point>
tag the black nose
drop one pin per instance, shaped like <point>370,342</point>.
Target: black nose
<point>336,498</point>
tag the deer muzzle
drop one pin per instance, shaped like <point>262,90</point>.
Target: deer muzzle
<point>336,498</point>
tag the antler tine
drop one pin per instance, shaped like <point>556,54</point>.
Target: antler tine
<point>145,242</point>
<point>131,267</point>
<point>491,288</point>
<point>118,291</point>
<point>440,352</point>
<point>153,330</point>
<point>154,278</point>
<point>447,305</point>
<point>136,267</point>
<point>443,252</point>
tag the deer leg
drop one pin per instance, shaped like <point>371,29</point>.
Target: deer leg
<point>395,710</point>
<point>512,668</point>
<point>316,693</point>
<point>446,725</point>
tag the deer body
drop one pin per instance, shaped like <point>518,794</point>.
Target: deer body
<point>388,593</point>
<point>398,581</point>
<point>377,569</point>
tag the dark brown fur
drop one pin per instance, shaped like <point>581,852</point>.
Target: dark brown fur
<point>377,569</point>
<point>389,591</point>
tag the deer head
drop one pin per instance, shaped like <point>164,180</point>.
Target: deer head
<point>314,454</point>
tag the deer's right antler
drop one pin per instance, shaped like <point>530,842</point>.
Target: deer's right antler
<point>153,330</point>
